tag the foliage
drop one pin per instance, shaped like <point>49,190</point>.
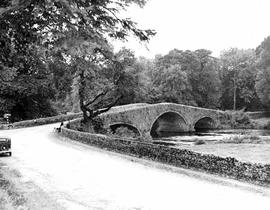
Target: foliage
<point>267,126</point>
<point>56,56</point>
<point>37,33</point>
<point>11,196</point>
<point>243,139</point>
<point>124,131</point>
<point>236,119</point>
<point>174,86</point>
<point>238,76</point>
<point>263,77</point>
<point>199,142</point>
<point>263,87</point>
<point>205,80</point>
<point>25,85</point>
<point>187,77</point>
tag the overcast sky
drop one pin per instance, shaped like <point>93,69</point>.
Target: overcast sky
<point>193,24</point>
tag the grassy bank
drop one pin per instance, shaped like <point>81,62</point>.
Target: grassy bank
<point>245,152</point>
<point>10,196</point>
<point>243,120</point>
<point>17,194</point>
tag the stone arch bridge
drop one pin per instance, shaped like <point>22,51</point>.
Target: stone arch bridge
<point>151,119</point>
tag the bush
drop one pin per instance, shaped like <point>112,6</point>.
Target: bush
<point>254,137</point>
<point>236,119</point>
<point>124,131</point>
<point>238,139</point>
<point>199,142</point>
<point>267,126</point>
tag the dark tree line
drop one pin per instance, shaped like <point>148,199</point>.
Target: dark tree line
<point>237,80</point>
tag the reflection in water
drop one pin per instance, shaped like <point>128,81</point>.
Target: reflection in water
<point>176,138</point>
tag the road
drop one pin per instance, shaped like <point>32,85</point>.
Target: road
<point>78,176</point>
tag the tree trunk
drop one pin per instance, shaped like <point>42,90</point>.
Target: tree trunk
<point>81,91</point>
<point>234,93</point>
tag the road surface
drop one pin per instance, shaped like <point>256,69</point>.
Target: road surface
<point>78,176</point>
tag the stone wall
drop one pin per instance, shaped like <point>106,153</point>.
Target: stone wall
<point>41,121</point>
<point>227,167</point>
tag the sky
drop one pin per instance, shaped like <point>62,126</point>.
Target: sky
<point>215,25</point>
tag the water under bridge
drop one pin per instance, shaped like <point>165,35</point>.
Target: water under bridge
<point>148,120</point>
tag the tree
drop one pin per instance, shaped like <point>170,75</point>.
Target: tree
<point>136,81</point>
<point>170,78</point>
<point>205,80</point>
<point>174,85</point>
<point>193,76</point>
<point>263,87</point>
<point>238,75</point>
<point>80,30</point>
<point>24,78</point>
<point>263,77</point>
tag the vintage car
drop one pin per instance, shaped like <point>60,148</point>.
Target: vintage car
<point>5,146</point>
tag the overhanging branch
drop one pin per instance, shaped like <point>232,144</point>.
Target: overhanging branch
<point>96,98</point>
<point>100,111</point>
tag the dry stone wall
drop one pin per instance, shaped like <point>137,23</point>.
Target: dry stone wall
<point>227,167</point>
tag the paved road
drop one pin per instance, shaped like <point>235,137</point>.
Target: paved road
<point>78,176</point>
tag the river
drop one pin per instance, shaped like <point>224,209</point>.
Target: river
<point>208,136</point>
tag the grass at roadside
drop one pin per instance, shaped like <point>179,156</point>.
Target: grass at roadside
<point>16,193</point>
<point>10,197</point>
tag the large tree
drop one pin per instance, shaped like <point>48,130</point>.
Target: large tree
<point>170,77</point>
<point>80,30</point>
<point>188,77</point>
<point>205,80</point>
<point>24,79</point>
<point>263,77</point>
<point>238,76</point>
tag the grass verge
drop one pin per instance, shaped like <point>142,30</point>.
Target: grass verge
<point>10,197</point>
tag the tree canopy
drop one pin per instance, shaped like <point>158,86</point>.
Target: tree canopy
<point>238,79</point>
<point>35,34</point>
<point>263,76</point>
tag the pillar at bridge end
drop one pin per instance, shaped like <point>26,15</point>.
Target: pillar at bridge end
<point>191,128</point>
<point>146,136</point>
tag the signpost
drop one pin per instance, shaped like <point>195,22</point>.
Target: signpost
<point>7,117</point>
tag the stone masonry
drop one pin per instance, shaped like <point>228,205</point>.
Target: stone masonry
<point>143,116</point>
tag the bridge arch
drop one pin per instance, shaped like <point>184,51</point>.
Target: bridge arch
<point>169,122</point>
<point>205,122</point>
<point>116,125</point>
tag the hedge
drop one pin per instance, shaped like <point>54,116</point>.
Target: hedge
<point>41,121</point>
<point>228,167</point>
